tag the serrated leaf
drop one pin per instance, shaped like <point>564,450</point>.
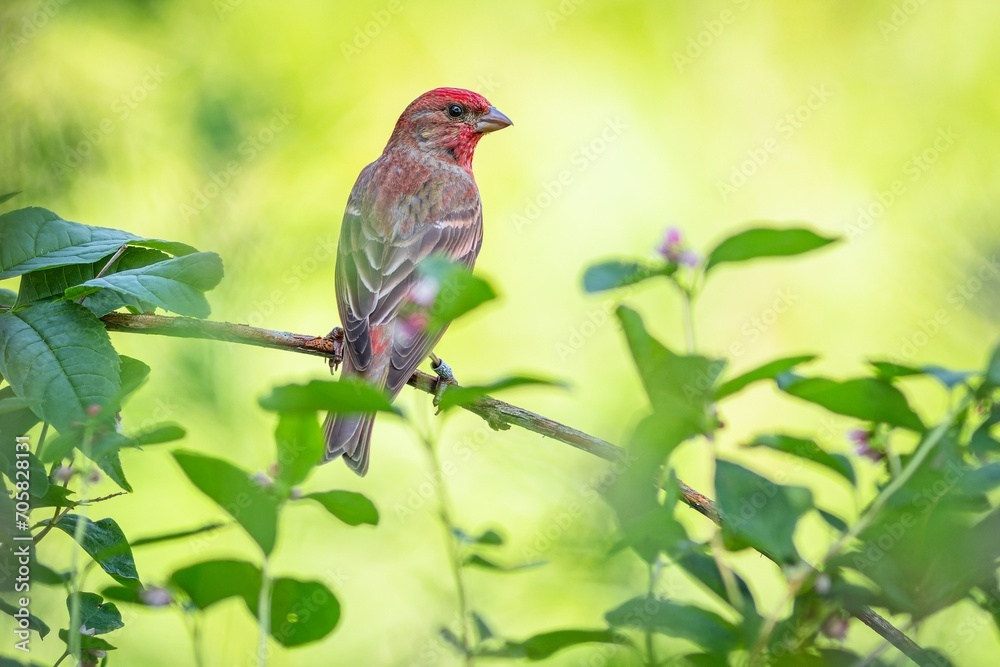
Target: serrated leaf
<point>176,285</point>
<point>300,446</point>
<point>254,507</point>
<point>352,508</point>
<point>869,399</point>
<point>758,512</point>
<point>613,274</point>
<point>766,371</point>
<point>34,238</point>
<point>59,356</point>
<point>456,396</point>
<point>336,396</point>
<point>808,450</point>
<point>105,542</point>
<point>457,290</point>
<point>764,242</point>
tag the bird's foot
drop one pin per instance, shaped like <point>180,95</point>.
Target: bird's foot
<point>445,377</point>
<point>336,337</point>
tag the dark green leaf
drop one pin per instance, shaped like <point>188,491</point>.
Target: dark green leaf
<point>833,520</point>
<point>458,291</point>
<point>809,450</point>
<point>176,285</point>
<point>889,370</point>
<point>38,478</point>
<point>133,374</point>
<point>759,512</point>
<point>863,398</point>
<point>992,374</point>
<point>483,631</point>
<point>96,615</point>
<point>54,496</point>
<point>89,642</point>
<point>339,397</point>
<point>105,542</point>
<point>9,195</point>
<point>254,507</point>
<point>705,569</point>
<point>34,238</point>
<point>548,644</point>
<point>767,371</point>
<point>706,629</point>
<point>59,355</point>
<point>761,242</point>
<point>14,403</point>
<point>300,446</point>
<point>212,581</point>
<point>301,611</point>
<point>612,274</point>
<point>455,395</point>
<point>34,623</point>
<point>352,508</point>
<point>172,247</point>
<point>14,424</point>
<point>7,297</point>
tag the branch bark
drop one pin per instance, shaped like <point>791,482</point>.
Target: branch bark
<point>499,414</point>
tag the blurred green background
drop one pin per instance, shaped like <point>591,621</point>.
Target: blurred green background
<point>240,126</point>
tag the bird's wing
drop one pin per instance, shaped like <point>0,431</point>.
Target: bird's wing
<point>377,264</point>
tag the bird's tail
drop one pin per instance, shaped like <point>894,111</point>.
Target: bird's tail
<point>349,435</point>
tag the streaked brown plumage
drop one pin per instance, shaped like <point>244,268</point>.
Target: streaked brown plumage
<point>418,199</point>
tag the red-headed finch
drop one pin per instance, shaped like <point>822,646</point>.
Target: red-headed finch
<point>418,199</point>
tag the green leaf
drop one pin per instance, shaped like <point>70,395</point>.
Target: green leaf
<point>7,297</point>
<point>490,538</point>
<point>172,247</point>
<point>475,560</point>
<point>215,580</point>
<point>547,644</point>
<point>992,374</point>
<point>178,535</point>
<point>96,615</point>
<point>869,399</point>
<point>767,371</point>
<point>336,396</point>
<point>13,403</point>
<point>809,450</point>
<point>34,623</point>
<point>105,542</point>
<point>759,512</point>
<point>706,629</point>
<point>14,424</point>
<point>134,374</point>
<point>254,507</point>
<point>352,508</point>
<point>455,396</point>
<point>301,611</point>
<point>175,285</point>
<point>457,290</point>
<point>833,520</point>
<point>38,477</point>
<point>54,496</point>
<point>762,242</point>
<point>889,370</point>
<point>34,238</point>
<point>679,386</point>
<point>705,569</point>
<point>88,642</point>
<point>8,196</point>
<point>58,355</point>
<point>300,446</point>
<point>613,274</point>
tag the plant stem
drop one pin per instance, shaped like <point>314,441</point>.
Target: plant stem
<point>454,556</point>
<point>61,658</point>
<point>264,613</point>
<point>689,336</point>
<point>79,533</point>
<point>650,648</point>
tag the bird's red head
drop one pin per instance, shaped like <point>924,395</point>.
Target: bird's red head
<point>449,122</point>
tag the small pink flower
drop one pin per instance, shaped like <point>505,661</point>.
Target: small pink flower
<point>154,596</point>
<point>672,247</point>
<point>261,479</point>
<point>411,325</point>
<point>863,444</point>
<point>423,292</point>
<point>62,474</point>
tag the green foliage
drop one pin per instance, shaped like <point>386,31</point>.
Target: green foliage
<point>456,290</point>
<point>105,542</point>
<point>762,242</point>
<point>352,508</point>
<point>458,396</point>
<point>863,398</point>
<point>337,396</point>
<point>614,274</point>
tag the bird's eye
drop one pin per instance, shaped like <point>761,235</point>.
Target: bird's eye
<point>455,110</point>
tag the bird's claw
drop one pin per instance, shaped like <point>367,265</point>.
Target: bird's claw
<point>336,337</point>
<point>445,377</point>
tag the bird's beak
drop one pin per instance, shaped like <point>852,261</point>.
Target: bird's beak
<point>492,121</point>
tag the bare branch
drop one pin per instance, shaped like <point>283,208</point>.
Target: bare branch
<point>499,414</point>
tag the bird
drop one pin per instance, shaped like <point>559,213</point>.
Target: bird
<point>419,199</point>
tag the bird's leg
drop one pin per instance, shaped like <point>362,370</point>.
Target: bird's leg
<point>445,377</point>
<point>336,336</point>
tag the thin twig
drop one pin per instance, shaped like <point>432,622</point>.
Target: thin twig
<point>498,414</point>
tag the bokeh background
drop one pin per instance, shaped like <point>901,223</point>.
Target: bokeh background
<point>239,126</point>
